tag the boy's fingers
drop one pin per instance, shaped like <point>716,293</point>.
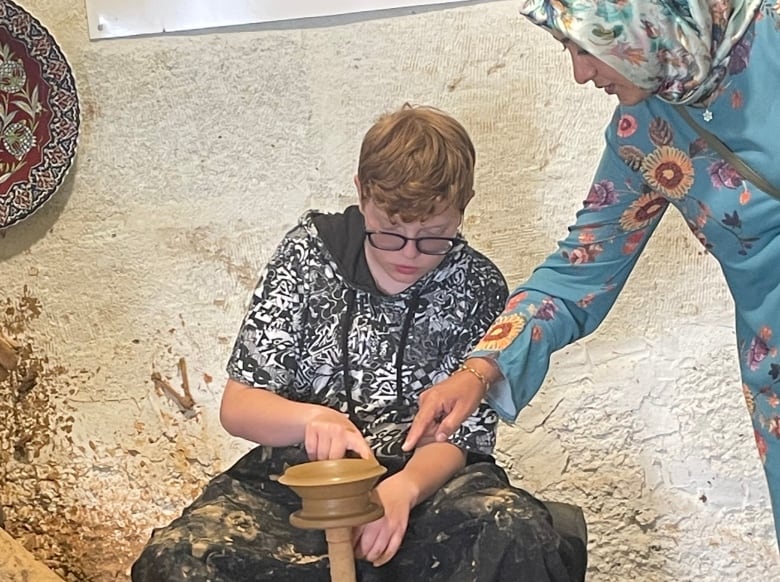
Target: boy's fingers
<point>360,446</point>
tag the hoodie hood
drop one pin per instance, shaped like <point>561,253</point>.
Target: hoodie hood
<point>343,235</point>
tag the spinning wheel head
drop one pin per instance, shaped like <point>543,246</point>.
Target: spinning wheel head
<point>334,493</point>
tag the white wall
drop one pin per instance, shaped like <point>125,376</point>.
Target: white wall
<point>199,151</point>
<point>116,18</point>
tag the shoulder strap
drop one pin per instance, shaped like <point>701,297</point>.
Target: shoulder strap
<point>724,151</point>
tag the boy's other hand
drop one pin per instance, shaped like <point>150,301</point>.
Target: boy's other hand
<point>378,541</point>
<point>331,434</point>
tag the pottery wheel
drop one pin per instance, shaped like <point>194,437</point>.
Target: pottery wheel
<point>334,493</point>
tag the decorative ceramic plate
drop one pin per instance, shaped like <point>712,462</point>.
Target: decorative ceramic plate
<point>39,114</point>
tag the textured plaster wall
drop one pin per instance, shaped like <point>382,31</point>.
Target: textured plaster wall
<point>198,152</point>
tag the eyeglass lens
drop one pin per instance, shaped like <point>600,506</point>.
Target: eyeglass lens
<point>429,245</point>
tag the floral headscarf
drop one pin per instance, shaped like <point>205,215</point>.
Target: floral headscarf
<point>677,49</point>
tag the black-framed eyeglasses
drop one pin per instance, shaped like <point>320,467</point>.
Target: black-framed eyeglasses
<point>426,245</point>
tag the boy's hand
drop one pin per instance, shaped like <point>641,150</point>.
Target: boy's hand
<point>378,541</point>
<point>331,434</point>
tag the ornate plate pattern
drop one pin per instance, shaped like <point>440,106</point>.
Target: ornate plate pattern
<point>39,114</point>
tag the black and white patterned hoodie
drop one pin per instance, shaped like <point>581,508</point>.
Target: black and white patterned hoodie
<point>317,314</point>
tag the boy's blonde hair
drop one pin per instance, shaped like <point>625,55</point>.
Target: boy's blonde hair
<point>416,162</point>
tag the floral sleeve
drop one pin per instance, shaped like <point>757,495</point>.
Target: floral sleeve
<point>570,294</point>
<point>478,432</point>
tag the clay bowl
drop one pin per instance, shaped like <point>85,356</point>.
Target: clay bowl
<point>334,493</point>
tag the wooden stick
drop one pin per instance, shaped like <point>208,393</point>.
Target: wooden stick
<point>185,402</point>
<point>185,382</point>
<point>342,558</point>
<point>9,359</point>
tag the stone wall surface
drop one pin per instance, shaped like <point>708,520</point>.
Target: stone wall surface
<point>198,151</point>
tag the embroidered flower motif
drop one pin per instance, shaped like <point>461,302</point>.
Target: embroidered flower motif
<point>737,100</point>
<point>18,139</point>
<point>12,74</point>
<point>536,334</point>
<point>578,256</point>
<point>515,300</point>
<point>762,446</point>
<point>722,174</point>
<point>626,126</point>
<point>503,331</point>
<point>669,171</point>
<point>632,242</point>
<point>774,371</point>
<point>744,197</point>
<point>774,427</point>
<point>757,352</point>
<point>642,211</point>
<point>587,300</point>
<point>601,194</point>
<point>740,55</point>
<point>749,400</point>
<point>583,254</point>
<point>547,310</point>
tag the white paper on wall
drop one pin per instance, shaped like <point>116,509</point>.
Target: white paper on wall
<point>115,18</point>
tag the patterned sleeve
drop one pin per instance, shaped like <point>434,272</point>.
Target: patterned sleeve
<point>478,432</point>
<point>265,353</point>
<point>570,294</point>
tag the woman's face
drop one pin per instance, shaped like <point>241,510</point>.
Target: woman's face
<point>586,68</point>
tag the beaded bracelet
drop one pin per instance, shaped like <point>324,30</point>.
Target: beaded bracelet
<point>479,375</point>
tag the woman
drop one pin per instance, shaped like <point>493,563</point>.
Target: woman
<point>716,62</point>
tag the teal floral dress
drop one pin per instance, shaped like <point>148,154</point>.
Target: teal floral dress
<point>654,160</point>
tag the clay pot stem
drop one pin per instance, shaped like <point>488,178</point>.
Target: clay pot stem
<point>336,497</point>
<point>342,558</point>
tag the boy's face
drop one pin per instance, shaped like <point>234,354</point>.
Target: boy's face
<point>394,271</point>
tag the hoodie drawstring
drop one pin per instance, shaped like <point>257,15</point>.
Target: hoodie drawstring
<point>346,323</point>
<point>399,357</point>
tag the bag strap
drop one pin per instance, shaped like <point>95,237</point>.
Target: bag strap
<point>725,152</point>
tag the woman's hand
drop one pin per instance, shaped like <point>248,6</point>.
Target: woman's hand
<point>378,541</point>
<point>444,406</point>
<point>330,434</point>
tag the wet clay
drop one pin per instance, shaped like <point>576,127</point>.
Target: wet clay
<point>335,496</point>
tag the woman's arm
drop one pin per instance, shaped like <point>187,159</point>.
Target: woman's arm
<point>565,299</point>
